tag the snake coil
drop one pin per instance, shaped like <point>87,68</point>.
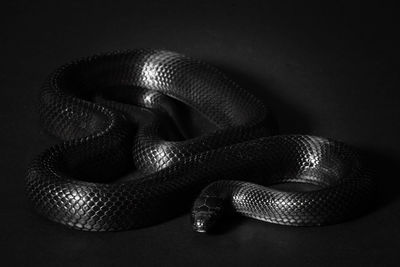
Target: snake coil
<point>122,111</point>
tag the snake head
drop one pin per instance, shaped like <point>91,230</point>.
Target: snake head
<point>206,211</point>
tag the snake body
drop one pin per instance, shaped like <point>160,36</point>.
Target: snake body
<point>119,112</point>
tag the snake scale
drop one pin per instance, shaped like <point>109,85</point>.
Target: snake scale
<point>128,159</point>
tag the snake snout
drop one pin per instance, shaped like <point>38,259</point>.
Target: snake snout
<point>203,222</point>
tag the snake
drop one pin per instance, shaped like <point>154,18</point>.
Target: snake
<point>147,135</point>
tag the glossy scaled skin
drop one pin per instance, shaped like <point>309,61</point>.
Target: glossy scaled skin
<point>85,182</point>
<point>343,187</point>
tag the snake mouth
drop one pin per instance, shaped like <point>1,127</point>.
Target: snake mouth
<point>199,227</point>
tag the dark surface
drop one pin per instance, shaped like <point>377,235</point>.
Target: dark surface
<point>324,70</point>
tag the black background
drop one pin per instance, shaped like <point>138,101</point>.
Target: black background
<point>327,70</point>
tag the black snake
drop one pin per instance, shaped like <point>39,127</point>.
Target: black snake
<point>124,111</point>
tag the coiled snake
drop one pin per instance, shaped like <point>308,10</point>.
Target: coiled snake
<point>122,111</point>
